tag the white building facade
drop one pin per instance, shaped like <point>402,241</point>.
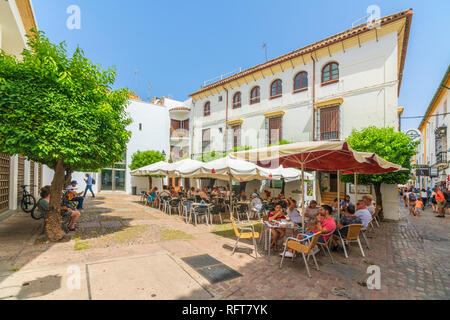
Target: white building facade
<point>322,91</point>
<point>434,140</point>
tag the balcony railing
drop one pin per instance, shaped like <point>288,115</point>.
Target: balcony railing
<point>441,158</point>
<point>179,133</point>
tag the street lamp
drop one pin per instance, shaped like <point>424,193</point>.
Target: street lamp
<point>164,154</point>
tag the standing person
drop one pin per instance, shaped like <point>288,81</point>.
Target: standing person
<point>419,207</point>
<point>89,183</point>
<point>424,196</point>
<point>440,200</point>
<point>405,197</point>
<point>428,191</point>
<point>447,199</point>
<point>411,201</point>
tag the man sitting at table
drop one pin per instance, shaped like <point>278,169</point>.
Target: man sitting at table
<point>348,219</point>
<point>204,195</point>
<point>293,213</point>
<point>255,204</point>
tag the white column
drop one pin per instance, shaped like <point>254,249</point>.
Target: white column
<point>13,181</point>
<point>26,173</point>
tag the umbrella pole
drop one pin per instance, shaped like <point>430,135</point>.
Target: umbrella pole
<point>230,187</point>
<point>339,195</point>
<point>303,196</point>
<point>356,187</point>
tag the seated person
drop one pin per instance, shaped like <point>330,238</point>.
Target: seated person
<point>293,212</point>
<point>151,195</point>
<point>203,194</point>
<point>346,220</point>
<point>277,233</point>
<point>312,210</point>
<point>281,196</point>
<point>267,195</point>
<point>164,193</point>
<point>345,202</point>
<point>363,214</point>
<point>44,202</point>
<point>173,192</point>
<point>256,203</point>
<point>256,192</point>
<point>191,193</point>
<point>243,196</point>
<point>326,223</point>
<point>368,200</point>
<point>334,205</point>
<point>73,195</point>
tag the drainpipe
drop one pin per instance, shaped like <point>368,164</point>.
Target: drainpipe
<point>226,121</point>
<point>314,97</point>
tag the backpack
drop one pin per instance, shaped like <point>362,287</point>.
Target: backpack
<point>93,181</point>
<point>412,196</point>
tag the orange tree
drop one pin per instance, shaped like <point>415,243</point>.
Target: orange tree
<point>61,111</point>
<point>389,144</point>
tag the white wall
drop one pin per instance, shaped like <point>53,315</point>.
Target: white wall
<point>154,135</point>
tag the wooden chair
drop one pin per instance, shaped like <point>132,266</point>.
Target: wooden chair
<point>306,250</point>
<point>244,231</point>
<point>375,215</point>
<point>352,236</point>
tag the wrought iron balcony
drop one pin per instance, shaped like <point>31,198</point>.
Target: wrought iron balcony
<point>441,158</point>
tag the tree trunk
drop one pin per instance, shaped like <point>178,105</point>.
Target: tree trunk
<point>53,220</point>
<point>377,187</point>
<point>67,178</point>
<point>149,182</point>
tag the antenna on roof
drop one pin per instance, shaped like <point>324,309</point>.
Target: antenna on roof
<point>149,88</point>
<point>265,47</point>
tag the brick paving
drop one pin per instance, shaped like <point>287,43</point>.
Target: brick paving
<point>413,253</point>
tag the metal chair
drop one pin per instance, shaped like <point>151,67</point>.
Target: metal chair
<point>352,236</point>
<point>200,210</point>
<point>241,209</point>
<point>215,210</point>
<point>244,231</point>
<point>186,205</point>
<point>173,204</point>
<point>326,243</point>
<point>306,250</point>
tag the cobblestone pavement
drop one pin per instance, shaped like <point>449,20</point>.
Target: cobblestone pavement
<point>413,253</point>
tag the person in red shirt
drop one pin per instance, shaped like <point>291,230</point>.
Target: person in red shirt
<point>277,233</point>
<point>440,199</point>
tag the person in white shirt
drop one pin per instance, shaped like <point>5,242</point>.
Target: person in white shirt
<point>255,204</point>
<point>293,213</point>
<point>363,214</point>
<point>368,200</point>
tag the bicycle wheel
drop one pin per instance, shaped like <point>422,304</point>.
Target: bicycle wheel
<point>28,203</point>
<point>36,214</point>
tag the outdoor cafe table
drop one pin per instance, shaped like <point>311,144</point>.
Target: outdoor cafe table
<point>268,227</point>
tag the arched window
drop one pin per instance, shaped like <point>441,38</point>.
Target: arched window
<point>276,89</point>
<point>330,72</point>
<point>237,100</point>
<point>301,81</point>
<point>207,109</point>
<point>254,95</point>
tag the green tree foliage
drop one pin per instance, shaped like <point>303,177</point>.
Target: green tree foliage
<point>60,111</point>
<point>389,144</point>
<point>279,143</point>
<point>141,159</point>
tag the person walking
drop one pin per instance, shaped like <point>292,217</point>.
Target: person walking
<point>89,182</point>
<point>440,199</point>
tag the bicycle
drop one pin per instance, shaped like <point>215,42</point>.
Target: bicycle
<point>28,202</point>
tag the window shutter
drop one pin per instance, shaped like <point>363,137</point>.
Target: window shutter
<point>275,129</point>
<point>329,123</point>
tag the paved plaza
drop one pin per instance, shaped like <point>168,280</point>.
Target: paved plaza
<point>124,250</point>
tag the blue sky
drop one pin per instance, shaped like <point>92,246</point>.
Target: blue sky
<point>176,45</point>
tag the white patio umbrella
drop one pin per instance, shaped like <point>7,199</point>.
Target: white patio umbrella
<point>156,168</point>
